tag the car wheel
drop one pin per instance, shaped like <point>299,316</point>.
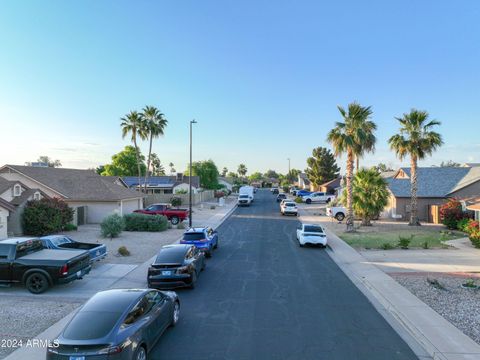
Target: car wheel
<point>216,245</point>
<point>300,244</point>
<point>308,201</point>
<point>208,253</point>
<point>339,216</point>
<point>140,354</point>
<point>193,282</point>
<point>175,314</point>
<point>328,200</point>
<point>174,220</point>
<point>37,283</point>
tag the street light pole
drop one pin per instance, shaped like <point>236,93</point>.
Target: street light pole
<point>190,178</point>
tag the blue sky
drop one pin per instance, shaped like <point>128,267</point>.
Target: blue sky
<point>263,78</point>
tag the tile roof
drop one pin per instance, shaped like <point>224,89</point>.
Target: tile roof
<point>6,184</point>
<point>333,183</point>
<point>160,181</point>
<point>75,184</point>
<point>435,182</point>
<point>18,200</point>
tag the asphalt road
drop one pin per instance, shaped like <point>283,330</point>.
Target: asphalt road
<point>263,297</point>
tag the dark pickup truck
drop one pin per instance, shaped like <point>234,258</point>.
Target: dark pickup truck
<point>62,242</point>
<point>25,261</point>
<point>174,215</point>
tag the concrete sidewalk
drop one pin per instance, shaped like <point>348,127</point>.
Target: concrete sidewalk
<point>136,278</point>
<point>413,319</point>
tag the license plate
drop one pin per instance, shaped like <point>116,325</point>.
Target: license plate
<point>79,273</point>
<point>166,273</point>
<point>77,357</point>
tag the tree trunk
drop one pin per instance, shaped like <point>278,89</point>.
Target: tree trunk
<point>349,219</point>
<point>138,164</point>
<point>413,182</point>
<point>357,158</point>
<point>148,162</point>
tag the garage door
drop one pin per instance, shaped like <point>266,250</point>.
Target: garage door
<point>130,205</point>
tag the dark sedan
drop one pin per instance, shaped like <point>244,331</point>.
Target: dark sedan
<point>117,324</point>
<point>281,197</point>
<point>176,265</point>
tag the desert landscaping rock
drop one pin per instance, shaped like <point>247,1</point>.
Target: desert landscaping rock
<point>459,305</point>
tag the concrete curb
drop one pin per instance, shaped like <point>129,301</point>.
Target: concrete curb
<point>50,333</point>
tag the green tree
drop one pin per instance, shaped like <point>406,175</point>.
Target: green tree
<point>292,176</point>
<point>449,163</point>
<point>322,166</point>
<point>256,176</point>
<point>370,195</point>
<point>157,167</point>
<point>417,140</point>
<point>232,175</point>
<point>350,137</point>
<point>272,174</point>
<point>133,124</point>
<point>381,167</point>
<point>154,123</point>
<point>172,168</point>
<point>208,173</point>
<point>224,172</point>
<point>125,163</point>
<point>242,170</point>
<point>100,169</point>
<point>47,160</point>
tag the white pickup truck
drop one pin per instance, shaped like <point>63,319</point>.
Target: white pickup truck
<point>318,197</point>
<point>337,212</point>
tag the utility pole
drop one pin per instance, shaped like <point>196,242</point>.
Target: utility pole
<point>288,175</point>
<point>190,178</point>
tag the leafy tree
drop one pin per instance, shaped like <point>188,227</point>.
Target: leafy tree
<point>256,176</point>
<point>292,176</point>
<point>272,174</point>
<point>133,124</point>
<point>47,160</point>
<point>157,167</point>
<point>172,168</point>
<point>417,140</point>
<point>100,169</point>
<point>449,163</point>
<point>381,167</point>
<point>370,195</point>
<point>154,124</point>
<point>354,136</point>
<point>232,175</point>
<point>242,170</point>
<point>224,172</point>
<point>125,163</point>
<point>208,173</point>
<point>322,166</point>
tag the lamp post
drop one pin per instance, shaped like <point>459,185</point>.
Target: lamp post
<point>190,178</point>
<point>288,174</point>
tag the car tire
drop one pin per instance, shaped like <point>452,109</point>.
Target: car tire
<point>216,245</point>
<point>308,201</point>
<point>174,220</point>
<point>300,244</point>
<point>193,283</point>
<point>208,253</point>
<point>37,283</point>
<point>340,216</point>
<point>327,201</point>
<point>175,314</point>
<point>140,354</point>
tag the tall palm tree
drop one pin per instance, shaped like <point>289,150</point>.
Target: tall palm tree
<point>242,170</point>
<point>353,136</point>
<point>416,139</point>
<point>155,123</point>
<point>132,123</point>
<point>172,168</point>
<point>157,167</point>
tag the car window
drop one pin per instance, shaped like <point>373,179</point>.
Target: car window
<point>29,247</point>
<point>87,325</point>
<point>193,236</point>
<point>137,312</point>
<point>153,298</point>
<point>60,240</point>
<point>313,228</point>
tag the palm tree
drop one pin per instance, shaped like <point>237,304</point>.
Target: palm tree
<point>157,167</point>
<point>224,172</point>
<point>353,136</point>
<point>132,123</point>
<point>155,123</point>
<point>242,170</point>
<point>172,168</point>
<point>416,139</point>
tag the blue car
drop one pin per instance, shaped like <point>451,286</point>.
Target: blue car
<point>205,239</point>
<point>62,242</point>
<point>301,193</point>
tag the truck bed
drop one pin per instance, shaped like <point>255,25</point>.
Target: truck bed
<point>48,254</point>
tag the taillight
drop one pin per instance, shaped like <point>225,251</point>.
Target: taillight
<point>64,270</point>
<point>182,270</point>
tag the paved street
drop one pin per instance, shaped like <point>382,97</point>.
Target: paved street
<point>264,297</point>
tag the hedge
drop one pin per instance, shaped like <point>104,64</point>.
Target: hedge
<point>144,222</point>
<point>46,216</point>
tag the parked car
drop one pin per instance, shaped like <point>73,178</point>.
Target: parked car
<point>293,190</point>
<point>318,197</point>
<point>204,238</point>
<point>247,190</point>
<point>281,197</point>
<point>173,215</point>
<point>62,242</point>
<point>283,201</point>
<point>274,191</point>
<point>337,212</point>
<point>117,324</point>
<point>244,200</point>
<point>176,266</point>
<point>301,193</point>
<point>311,234</point>
<point>25,261</point>
<point>289,208</point>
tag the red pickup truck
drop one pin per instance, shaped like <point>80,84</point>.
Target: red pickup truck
<point>174,215</point>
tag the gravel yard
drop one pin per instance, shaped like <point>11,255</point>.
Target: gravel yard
<point>23,318</point>
<point>458,305</point>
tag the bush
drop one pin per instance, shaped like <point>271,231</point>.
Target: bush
<point>298,200</point>
<point>46,216</point>
<point>472,226</point>
<point>475,238</point>
<point>404,242</point>
<point>451,212</point>
<point>176,201</point>
<point>144,222</point>
<point>112,226</point>
<point>70,227</point>
<point>462,224</point>
<point>122,250</point>
<point>425,245</point>
<point>387,246</point>
<point>181,191</point>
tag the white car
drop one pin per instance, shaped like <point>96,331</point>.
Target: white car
<point>311,234</point>
<point>318,197</point>
<point>288,208</point>
<point>337,212</point>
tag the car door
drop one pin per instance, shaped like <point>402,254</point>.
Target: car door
<point>158,313</point>
<point>5,264</point>
<point>197,258</point>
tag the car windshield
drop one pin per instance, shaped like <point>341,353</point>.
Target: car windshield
<point>91,325</point>
<point>282,196</point>
<point>312,228</point>
<point>60,241</point>
<point>243,196</point>
<point>193,236</point>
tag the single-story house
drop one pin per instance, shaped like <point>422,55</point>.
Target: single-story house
<point>164,184</point>
<point>303,181</point>
<point>227,182</point>
<point>435,186</point>
<point>332,186</point>
<point>93,197</point>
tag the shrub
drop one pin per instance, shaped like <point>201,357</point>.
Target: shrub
<point>112,226</point>
<point>46,216</point>
<point>404,242</point>
<point>470,283</point>
<point>425,245</point>
<point>472,226</point>
<point>387,246</point>
<point>70,227</point>
<point>176,201</point>
<point>298,200</point>
<point>181,191</point>
<point>122,250</point>
<point>451,212</point>
<point>475,238</point>
<point>144,222</point>
<point>462,224</point>
<point>435,283</point>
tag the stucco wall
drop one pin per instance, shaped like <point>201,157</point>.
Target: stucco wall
<point>3,223</point>
<point>97,211</point>
<point>403,207</point>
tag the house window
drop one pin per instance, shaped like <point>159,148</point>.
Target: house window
<point>17,190</point>
<point>168,191</point>
<point>37,196</point>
